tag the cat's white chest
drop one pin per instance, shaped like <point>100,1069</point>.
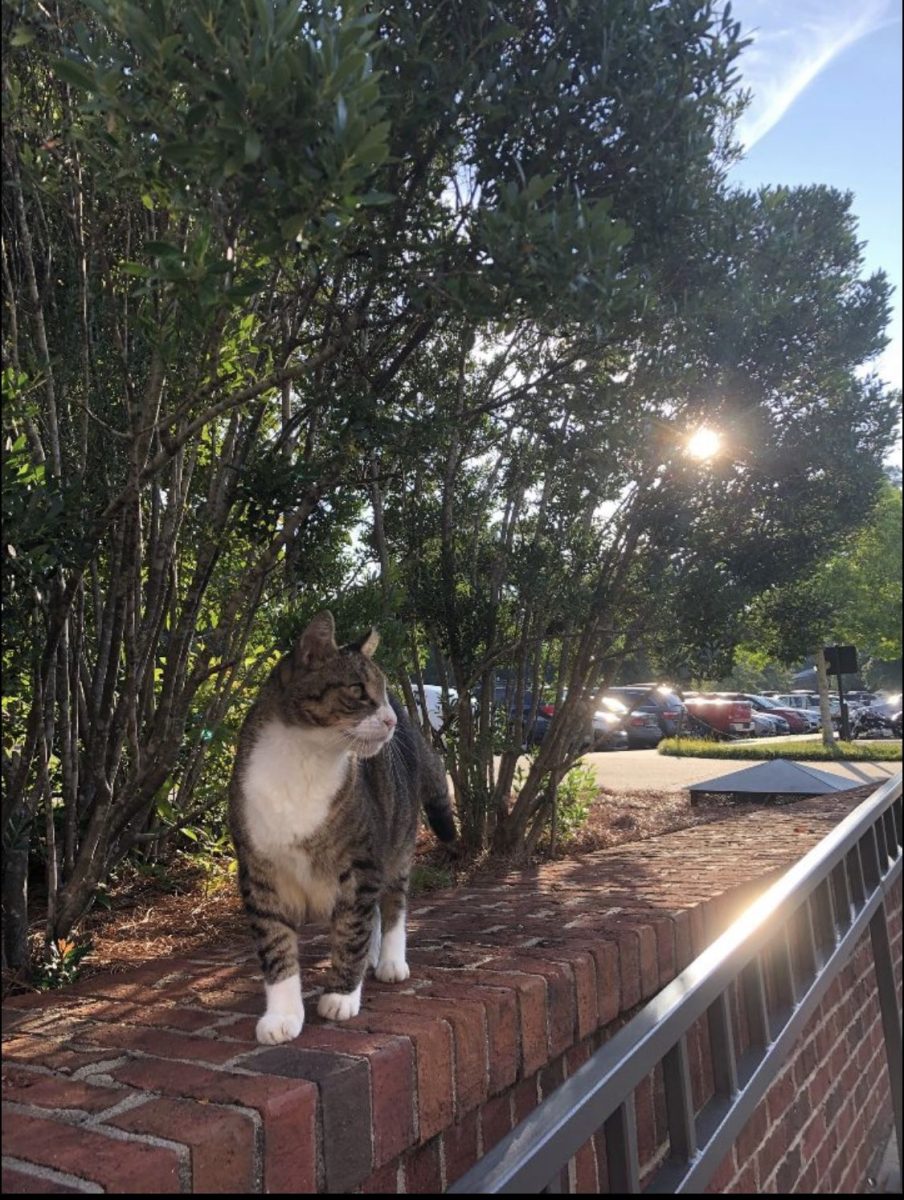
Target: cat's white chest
<point>289,783</point>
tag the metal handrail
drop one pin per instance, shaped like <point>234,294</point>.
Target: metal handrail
<point>806,924</point>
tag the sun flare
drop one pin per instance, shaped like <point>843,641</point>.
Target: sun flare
<point>704,443</point>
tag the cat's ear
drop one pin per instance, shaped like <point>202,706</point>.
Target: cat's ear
<point>366,645</point>
<point>317,642</point>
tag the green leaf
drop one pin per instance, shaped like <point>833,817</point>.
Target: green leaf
<point>22,37</point>
<point>162,248</point>
<point>73,73</point>
<point>292,226</point>
<point>252,146</point>
<point>372,198</point>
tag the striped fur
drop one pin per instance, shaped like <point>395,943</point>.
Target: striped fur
<point>323,807</point>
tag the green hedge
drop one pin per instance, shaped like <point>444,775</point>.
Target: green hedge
<point>802,751</point>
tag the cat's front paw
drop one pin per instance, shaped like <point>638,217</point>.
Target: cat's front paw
<point>340,1006</point>
<point>392,970</point>
<point>276,1027</point>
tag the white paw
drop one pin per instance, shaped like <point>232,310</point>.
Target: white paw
<point>340,1006</point>
<point>392,970</point>
<point>276,1027</point>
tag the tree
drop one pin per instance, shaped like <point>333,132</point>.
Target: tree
<point>234,226</point>
<point>853,596</point>
<point>569,529</point>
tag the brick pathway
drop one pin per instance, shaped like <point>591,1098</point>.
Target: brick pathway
<point>150,1081</point>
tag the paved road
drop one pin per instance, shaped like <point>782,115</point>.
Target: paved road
<point>636,770</point>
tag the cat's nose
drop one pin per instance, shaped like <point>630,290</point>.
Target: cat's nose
<point>390,720</point>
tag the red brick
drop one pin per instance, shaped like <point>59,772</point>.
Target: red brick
<point>628,941</point>
<point>187,1020</point>
<point>433,1048</point>
<point>288,1110</point>
<point>532,1009</point>
<point>501,1015</point>
<point>52,1054</point>
<point>562,1015</point>
<point>525,1098</point>
<point>221,1140</point>
<point>119,1165</point>
<point>159,1043</point>
<point>391,1061</point>
<point>746,1182</point>
<point>684,954</point>
<point>423,1174</point>
<point>608,988</point>
<point>751,1136</point>
<point>345,1106</point>
<point>722,1176</point>
<point>812,1136</point>
<point>780,1095</point>
<point>468,1023</point>
<point>460,1147</point>
<point>385,1179</point>
<point>646,1121</point>
<point>55,1091</point>
<point>586,1181</point>
<point>772,1152</point>
<point>664,929</point>
<point>495,1120</point>
<point>582,965</point>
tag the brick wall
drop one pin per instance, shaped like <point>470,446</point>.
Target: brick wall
<point>150,1081</point>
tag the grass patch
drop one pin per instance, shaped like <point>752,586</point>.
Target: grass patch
<point>888,751</point>
<point>426,878</point>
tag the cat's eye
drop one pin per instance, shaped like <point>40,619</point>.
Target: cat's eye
<point>358,690</point>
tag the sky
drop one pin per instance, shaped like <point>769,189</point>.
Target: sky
<point>826,82</point>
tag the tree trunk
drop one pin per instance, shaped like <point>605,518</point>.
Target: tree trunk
<point>828,731</point>
<point>15,909</point>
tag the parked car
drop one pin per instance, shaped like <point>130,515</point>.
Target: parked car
<point>603,723</point>
<point>653,711</point>
<point>608,724</point>
<point>798,720</point>
<point>433,694</point>
<point>725,715</point>
<point>769,724</point>
<point>805,702</point>
<point>532,732</point>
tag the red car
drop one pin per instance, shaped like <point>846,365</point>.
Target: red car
<point>721,713</point>
<point>797,722</point>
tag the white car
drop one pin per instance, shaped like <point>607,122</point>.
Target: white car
<point>433,694</point>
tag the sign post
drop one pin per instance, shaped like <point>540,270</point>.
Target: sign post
<point>841,661</point>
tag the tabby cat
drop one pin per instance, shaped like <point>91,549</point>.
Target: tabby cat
<point>323,807</point>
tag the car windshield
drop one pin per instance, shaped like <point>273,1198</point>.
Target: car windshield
<point>765,701</point>
<point>612,705</point>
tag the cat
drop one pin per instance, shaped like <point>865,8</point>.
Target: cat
<point>323,808</point>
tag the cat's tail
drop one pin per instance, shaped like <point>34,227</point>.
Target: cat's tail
<point>435,797</point>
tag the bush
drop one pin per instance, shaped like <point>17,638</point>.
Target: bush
<point>800,750</point>
<point>576,793</point>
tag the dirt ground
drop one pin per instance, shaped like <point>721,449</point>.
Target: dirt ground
<point>155,914</point>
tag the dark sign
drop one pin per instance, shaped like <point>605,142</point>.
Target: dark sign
<point>841,660</point>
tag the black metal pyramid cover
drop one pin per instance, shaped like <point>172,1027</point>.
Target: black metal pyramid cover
<point>779,775</point>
